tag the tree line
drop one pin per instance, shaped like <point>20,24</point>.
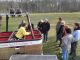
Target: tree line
<point>43,5</point>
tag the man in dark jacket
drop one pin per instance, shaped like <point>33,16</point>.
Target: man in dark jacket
<point>58,25</point>
<point>45,29</point>
<point>62,31</point>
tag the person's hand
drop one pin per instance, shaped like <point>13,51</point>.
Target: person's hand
<point>29,33</point>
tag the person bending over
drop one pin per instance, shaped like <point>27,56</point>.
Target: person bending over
<point>21,32</point>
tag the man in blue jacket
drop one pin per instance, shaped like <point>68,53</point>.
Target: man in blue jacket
<point>76,37</point>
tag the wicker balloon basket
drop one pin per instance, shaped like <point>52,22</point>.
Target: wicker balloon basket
<point>5,53</point>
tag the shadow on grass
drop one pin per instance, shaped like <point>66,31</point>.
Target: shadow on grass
<point>51,47</point>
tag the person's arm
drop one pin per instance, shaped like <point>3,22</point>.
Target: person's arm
<point>75,37</point>
<point>48,27</point>
<point>56,27</point>
<point>60,30</point>
<point>38,25</point>
<point>63,42</point>
<point>25,33</point>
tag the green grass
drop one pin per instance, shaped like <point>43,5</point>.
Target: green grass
<point>52,47</point>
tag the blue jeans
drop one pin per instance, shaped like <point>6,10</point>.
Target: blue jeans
<point>65,54</point>
<point>45,36</point>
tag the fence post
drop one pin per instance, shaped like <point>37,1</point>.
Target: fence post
<point>7,18</point>
<point>0,22</point>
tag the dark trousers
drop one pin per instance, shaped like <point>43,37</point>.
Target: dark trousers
<point>45,36</point>
<point>59,38</point>
<point>73,50</point>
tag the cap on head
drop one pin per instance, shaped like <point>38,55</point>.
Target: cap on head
<point>46,19</point>
<point>41,20</point>
<point>63,22</point>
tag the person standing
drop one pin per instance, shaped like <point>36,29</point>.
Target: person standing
<point>39,25</point>
<point>62,31</point>
<point>45,30</point>
<point>76,37</point>
<point>58,25</point>
<point>21,32</point>
<point>66,44</point>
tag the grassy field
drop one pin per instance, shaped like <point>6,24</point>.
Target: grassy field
<point>51,47</point>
